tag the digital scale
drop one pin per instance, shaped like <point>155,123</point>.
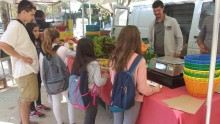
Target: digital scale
<point>167,71</point>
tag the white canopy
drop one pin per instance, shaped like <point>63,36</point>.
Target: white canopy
<point>92,1</point>
<point>55,1</point>
<point>9,1</point>
<point>41,1</point>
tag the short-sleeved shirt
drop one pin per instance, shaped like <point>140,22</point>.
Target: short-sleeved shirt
<point>64,53</point>
<point>159,37</point>
<point>206,34</point>
<point>17,36</point>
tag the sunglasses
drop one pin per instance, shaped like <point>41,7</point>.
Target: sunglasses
<point>30,6</point>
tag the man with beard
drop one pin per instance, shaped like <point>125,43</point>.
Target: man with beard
<point>165,35</point>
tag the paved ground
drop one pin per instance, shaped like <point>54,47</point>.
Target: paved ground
<point>9,110</point>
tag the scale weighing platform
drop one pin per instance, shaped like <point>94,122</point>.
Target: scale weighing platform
<point>167,71</point>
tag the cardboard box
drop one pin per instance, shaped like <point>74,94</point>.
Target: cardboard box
<point>3,83</point>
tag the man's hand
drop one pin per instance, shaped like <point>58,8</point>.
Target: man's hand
<point>176,55</point>
<point>27,60</point>
<point>202,46</point>
<point>203,50</point>
<point>10,51</point>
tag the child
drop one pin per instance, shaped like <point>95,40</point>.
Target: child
<point>127,48</point>
<point>51,37</point>
<point>63,52</point>
<point>85,59</point>
<point>33,31</point>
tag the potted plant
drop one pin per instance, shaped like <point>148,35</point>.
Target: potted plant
<point>149,54</point>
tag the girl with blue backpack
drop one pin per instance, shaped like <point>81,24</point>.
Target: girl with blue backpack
<point>128,47</point>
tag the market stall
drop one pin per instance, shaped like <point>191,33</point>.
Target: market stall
<point>65,28</point>
<point>155,111</point>
<point>151,111</point>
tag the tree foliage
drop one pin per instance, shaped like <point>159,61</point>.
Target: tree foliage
<point>4,14</point>
<point>124,2</point>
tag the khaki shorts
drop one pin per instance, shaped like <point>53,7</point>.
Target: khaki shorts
<point>28,87</point>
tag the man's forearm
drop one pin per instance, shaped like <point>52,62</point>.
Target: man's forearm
<point>202,46</point>
<point>9,50</point>
<point>200,43</point>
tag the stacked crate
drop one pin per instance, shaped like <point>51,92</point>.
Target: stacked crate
<point>92,31</point>
<point>66,31</point>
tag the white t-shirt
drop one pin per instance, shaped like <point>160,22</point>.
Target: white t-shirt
<point>64,53</point>
<point>17,36</point>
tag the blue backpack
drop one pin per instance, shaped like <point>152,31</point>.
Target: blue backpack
<point>123,92</point>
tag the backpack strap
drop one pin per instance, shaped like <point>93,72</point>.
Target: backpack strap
<point>135,63</point>
<point>94,93</point>
<point>21,23</point>
<point>56,47</point>
<point>24,27</point>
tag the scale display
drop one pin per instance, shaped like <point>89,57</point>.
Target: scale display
<point>161,66</point>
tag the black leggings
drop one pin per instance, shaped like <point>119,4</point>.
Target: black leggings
<point>38,102</point>
<point>90,113</point>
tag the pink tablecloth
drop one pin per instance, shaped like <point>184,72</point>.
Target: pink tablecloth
<point>154,111</point>
<point>105,91</point>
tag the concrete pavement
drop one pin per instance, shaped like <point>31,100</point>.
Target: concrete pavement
<point>9,109</point>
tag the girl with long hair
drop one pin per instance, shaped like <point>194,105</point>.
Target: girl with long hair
<point>85,60</point>
<point>33,31</point>
<point>127,48</point>
<point>51,38</point>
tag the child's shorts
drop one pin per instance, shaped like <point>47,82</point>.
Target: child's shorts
<point>28,87</point>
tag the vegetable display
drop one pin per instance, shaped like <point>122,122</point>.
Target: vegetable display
<point>103,46</point>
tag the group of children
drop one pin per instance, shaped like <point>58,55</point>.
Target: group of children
<point>85,50</point>
<point>16,42</point>
<point>128,46</point>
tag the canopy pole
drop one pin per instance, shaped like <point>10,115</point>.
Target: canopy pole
<point>83,28</point>
<point>117,2</point>
<point>90,14</point>
<point>70,10</point>
<point>83,19</point>
<point>53,12</point>
<point>213,60</point>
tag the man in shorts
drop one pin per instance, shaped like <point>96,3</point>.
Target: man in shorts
<point>16,42</point>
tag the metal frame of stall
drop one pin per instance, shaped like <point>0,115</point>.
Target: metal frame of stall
<point>213,59</point>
